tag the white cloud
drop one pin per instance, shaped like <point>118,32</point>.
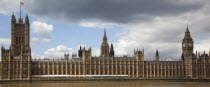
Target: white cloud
<point>8,6</point>
<point>60,50</point>
<point>96,24</point>
<point>203,45</point>
<point>46,40</point>
<point>95,52</point>
<point>125,47</point>
<point>43,31</point>
<point>5,41</point>
<point>37,56</point>
<point>41,27</point>
<point>35,40</point>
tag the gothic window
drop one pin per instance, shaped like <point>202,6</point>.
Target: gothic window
<point>22,40</point>
<point>16,40</point>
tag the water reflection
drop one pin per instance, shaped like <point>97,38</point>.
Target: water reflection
<point>108,84</point>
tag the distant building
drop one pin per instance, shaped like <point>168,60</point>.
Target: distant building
<point>16,62</point>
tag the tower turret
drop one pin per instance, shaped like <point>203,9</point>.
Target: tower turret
<point>111,53</point>
<point>27,19</point>
<point>139,55</point>
<point>20,20</point>
<point>157,56</point>
<point>66,56</point>
<point>80,52</point>
<point>13,20</point>
<point>86,54</point>
<point>27,30</point>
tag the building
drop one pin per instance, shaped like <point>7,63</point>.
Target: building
<point>16,62</point>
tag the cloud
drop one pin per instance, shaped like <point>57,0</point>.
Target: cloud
<point>5,41</point>
<point>97,24</point>
<point>8,6</point>
<point>148,24</point>
<point>37,56</point>
<point>203,45</point>
<point>118,11</point>
<point>95,52</point>
<point>60,50</point>
<point>42,30</point>
<point>164,34</point>
<point>35,39</point>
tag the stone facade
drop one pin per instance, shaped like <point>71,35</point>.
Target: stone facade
<point>17,63</point>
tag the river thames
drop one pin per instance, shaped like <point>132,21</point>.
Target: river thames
<point>107,84</point>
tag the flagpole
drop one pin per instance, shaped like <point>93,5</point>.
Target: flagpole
<point>20,9</point>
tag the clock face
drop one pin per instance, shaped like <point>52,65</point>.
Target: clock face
<point>183,44</point>
<point>190,44</point>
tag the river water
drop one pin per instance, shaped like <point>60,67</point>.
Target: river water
<point>107,84</point>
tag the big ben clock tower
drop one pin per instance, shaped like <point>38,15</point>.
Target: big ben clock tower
<point>187,43</point>
<point>187,53</point>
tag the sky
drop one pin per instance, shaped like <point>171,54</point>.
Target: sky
<point>61,26</point>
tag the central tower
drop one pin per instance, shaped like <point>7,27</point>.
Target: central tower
<point>104,46</point>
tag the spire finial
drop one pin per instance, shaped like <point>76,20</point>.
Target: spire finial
<point>112,48</point>
<point>157,53</point>
<point>2,47</point>
<point>26,15</point>
<point>13,15</point>
<point>187,30</point>
<point>105,37</point>
<point>104,31</point>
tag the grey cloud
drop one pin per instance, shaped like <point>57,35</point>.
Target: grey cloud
<point>118,11</point>
<point>164,35</point>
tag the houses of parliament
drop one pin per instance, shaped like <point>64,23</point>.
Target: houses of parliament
<point>18,64</point>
